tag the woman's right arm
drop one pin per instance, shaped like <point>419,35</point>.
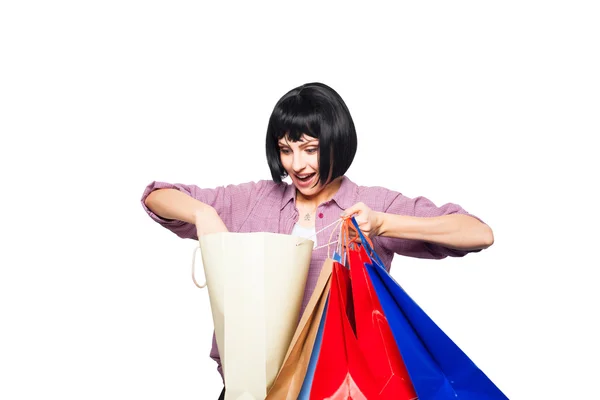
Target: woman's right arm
<point>188,210</point>
<point>172,204</point>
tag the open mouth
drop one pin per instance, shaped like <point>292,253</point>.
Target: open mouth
<point>305,177</point>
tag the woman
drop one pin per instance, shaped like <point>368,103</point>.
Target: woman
<point>311,138</point>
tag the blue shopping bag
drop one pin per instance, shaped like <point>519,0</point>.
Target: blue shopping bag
<point>438,368</point>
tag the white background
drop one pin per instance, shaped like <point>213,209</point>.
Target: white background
<point>493,107</point>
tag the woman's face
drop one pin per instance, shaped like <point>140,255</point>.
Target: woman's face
<point>301,162</point>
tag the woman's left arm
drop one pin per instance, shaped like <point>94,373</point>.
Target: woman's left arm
<point>455,231</point>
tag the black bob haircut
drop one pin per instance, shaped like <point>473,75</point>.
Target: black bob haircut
<point>318,111</point>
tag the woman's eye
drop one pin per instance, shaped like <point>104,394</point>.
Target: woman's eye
<point>284,151</point>
<point>311,150</point>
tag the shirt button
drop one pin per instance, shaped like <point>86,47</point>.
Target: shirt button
<point>320,215</point>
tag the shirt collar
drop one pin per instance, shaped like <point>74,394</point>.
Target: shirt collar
<point>289,194</point>
<point>345,197</point>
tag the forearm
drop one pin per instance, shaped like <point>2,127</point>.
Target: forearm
<point>456,231</point>
<point>173,204</point>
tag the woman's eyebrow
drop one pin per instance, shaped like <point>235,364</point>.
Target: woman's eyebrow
<point>302,143</point>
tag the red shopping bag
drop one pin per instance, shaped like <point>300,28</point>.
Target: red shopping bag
<point>375,338</point>
<point>342,372</point>
<point>359,357</point>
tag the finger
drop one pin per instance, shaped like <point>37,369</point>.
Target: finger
<point>351,211</point>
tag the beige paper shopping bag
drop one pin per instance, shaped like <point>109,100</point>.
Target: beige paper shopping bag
<point>256,284</point>
<point>289,381</point>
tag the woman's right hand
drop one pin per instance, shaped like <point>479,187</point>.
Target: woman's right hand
<point>208,221</point>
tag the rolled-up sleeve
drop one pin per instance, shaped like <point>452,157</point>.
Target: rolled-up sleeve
<point>233,203</point>
<point>396,203</point>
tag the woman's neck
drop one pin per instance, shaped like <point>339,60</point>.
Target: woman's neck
<point>321,197</point>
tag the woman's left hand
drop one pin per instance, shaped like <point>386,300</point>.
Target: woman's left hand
<point>369,221</point>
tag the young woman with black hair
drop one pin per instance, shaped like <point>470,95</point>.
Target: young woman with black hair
<point>311,138</point>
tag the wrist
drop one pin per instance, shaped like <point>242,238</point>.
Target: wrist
<point>203,211</point>
<point>381,219</point>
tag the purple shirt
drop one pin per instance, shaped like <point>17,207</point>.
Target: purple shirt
<point>265,206</point>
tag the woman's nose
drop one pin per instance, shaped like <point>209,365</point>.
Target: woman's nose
<point>298,163</point>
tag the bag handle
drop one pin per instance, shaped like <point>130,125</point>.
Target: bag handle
<point>345,242</point>
<point>203,285</point>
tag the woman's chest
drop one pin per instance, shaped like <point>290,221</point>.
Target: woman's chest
<point>282,220</point>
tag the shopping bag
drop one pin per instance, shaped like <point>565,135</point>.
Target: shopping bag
<point>438,368</point>
<point>291,376</point>
<point>375,336</point>
<point>371,329</point>
<point>256,284</point>
<point>341,372</point>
